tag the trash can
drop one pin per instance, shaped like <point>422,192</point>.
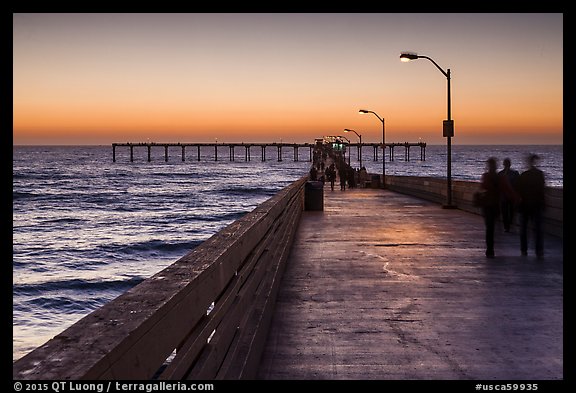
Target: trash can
<point>314,195</point>
<point>375,181</point>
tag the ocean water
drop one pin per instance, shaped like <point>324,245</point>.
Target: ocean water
<point>86,229</point>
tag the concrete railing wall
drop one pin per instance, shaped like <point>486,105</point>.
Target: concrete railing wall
<point>434,189</point>
<point>206,316</point>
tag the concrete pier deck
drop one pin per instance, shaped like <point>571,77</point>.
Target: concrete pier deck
<point>384,286</point>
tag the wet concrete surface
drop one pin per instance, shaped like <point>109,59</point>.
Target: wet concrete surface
<point>385,286</point>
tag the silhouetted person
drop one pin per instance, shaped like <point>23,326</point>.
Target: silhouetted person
<point>508,197</point>
<point>331,175</point>
<point>363,176</point>
<point>351,176</point>
<point>490,183</point>
<point>313,173</point>
<point>531,186</point>
<point>342,172</point>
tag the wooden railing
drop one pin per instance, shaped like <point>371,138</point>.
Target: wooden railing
<point>206,316</point>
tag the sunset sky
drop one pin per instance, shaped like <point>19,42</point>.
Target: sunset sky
<point>292,77</point>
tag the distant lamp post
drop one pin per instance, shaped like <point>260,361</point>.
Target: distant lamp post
<point>360,150</point>
<point>383,145</point>
<point>448,126</point>
<point>344,148</point>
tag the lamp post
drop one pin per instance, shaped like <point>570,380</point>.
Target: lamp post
<point>347,140</point>
<point>360,137</point>
<point>448,126</point>
<point>383,145</point>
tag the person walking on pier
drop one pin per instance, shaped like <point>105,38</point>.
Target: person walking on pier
<point>490,209</point>
<point>508,199</point>
<point>313,173</point>
<point>342,174</point>
<point>363,177</point>
<point>351,176</point>
<point>331,175</point>
<point>531,186</point>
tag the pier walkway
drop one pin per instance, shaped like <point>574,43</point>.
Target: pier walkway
<point>381,285</point>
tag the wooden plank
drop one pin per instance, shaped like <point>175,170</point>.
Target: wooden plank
<point>266,303</point>
<point>245,354</point>
<point>244,305</point>
<point>190,350</point>
<point>227,329</point>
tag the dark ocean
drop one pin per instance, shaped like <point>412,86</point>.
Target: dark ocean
<point>86,229</point>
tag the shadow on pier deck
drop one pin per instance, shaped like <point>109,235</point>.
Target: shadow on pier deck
<point>382,285</point>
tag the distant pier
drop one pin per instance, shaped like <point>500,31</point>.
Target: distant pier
<point>279,146</point>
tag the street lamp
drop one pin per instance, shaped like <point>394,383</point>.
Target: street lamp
<point>448,126</point>
<point>360,137</point>
<point>347,140</point>
<point>383,145</point>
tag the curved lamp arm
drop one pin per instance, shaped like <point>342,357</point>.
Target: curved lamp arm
<point>374,113</point>
<point>349,130</point>
<point>406,56</point>
<point>437,66</point>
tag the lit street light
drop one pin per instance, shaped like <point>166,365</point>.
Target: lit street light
<point>383,145</point>
<point>448,126</point>
<point>360,149</point>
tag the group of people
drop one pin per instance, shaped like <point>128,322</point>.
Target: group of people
<point>508,192</point>
<point>349,177</point>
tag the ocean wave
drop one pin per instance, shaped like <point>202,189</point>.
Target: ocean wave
<point>175,222</point>
<point>125,208</point>
<point>245,190</point>
<point>65,220</point>
<point>153,246</point>
<point>26,195</point>
<point>16,195</point>
<point>77,284</point>
<point>221,217</point>
<point>64,304</point>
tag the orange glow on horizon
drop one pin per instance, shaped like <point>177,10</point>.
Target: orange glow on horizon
<point>299,125</point>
